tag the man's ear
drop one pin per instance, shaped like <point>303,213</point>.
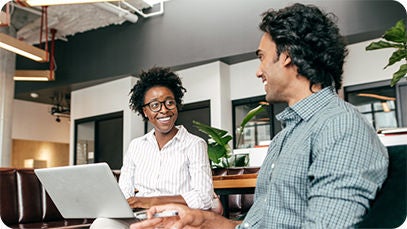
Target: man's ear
<point>287,59</point>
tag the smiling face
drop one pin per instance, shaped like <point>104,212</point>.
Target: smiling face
<point>274,71</point>
<point>164,119</point>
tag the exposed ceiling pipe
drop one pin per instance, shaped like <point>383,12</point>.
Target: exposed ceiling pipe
<point>117,10</point>
<point>161,11</point>
<point>28,9</point>
<point>27,33</point>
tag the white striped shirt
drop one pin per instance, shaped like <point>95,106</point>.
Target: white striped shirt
<point>181,167</point>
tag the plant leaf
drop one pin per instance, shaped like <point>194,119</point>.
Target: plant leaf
<point>397,56</point>
<point>214,133</point>
<point>226,139</point>
<point>225,163</point>
<point>216,152</point>
<point>253,112</point>
<point>206,128</point>
<point>218,148</point>
<point>215,136</point>
<point>240,160</point>
<point>382,45</point>
<point>228,150</point>
<point>399,74</point>
<point>396,33</point>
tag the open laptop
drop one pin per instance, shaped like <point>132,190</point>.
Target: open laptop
<point>85,191</point>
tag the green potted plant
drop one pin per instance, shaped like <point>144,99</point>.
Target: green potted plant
<point>219,150</point>
<point>395,37</point>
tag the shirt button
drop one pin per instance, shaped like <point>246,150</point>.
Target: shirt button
<point>246,226</point>
<point>272,166</point>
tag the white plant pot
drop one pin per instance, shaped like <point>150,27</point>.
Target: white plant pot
<point>256,155</point>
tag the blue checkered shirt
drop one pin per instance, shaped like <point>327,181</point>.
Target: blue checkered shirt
<point>321,170</point>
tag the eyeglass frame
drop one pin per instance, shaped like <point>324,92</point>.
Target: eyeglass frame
<point>161,104</point>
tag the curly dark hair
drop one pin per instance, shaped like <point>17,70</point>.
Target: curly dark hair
<point>312,40</point>
<point>155,76</point>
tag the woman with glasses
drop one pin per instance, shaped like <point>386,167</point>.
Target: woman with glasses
<point>168,164</point>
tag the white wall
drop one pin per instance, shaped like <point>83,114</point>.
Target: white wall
<point>33,121</point>
<point>363,66</point>
<point>103,99</point>
<point>360,67</point>
<point>210,81</point>
<point>244,83</point>
<point>202,83</point>
<point>225,106</point>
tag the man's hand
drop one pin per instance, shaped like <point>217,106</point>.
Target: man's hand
<point>187,218</point>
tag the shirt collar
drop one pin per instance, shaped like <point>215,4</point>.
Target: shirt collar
<point>306,108</point>
<point>180,134</point>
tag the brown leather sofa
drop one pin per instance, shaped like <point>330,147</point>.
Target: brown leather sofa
<point>25,204</point>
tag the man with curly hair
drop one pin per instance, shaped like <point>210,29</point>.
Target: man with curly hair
<point>327,163</point>
<point>168,164</point>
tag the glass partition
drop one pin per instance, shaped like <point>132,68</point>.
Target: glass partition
<point>377,102</point>
<point>99,139</point>
<point>85,145</point>
<point>261,129</point>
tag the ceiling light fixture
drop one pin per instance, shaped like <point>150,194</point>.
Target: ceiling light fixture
<point>57,2</point>
<point>61,107</point>
<point>385,107</point>
<point>14,45</point>
<point>118,11</point>
<point>34,75</point>
<point>40,75</point>
<point>34,95</point>
<point>160,11</point>
<point>375,96</point>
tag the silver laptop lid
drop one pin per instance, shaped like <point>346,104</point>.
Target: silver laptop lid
<point>85,191</point>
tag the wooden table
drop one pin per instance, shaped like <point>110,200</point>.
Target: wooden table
<point>233,184</point>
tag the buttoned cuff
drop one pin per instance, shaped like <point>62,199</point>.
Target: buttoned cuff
<point>193,200</point>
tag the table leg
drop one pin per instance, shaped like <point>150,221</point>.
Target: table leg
<point>225,203</point>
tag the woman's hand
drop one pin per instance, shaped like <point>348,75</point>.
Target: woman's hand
<point>140,202</point>
<point>147,202</point>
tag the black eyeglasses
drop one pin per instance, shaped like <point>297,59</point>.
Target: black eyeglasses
<point>155,106</point>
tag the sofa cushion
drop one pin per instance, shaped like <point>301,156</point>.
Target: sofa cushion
<point>25,204</point>
<point>29,196</point>
<point>50,211</point>
<point>8,196</point>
